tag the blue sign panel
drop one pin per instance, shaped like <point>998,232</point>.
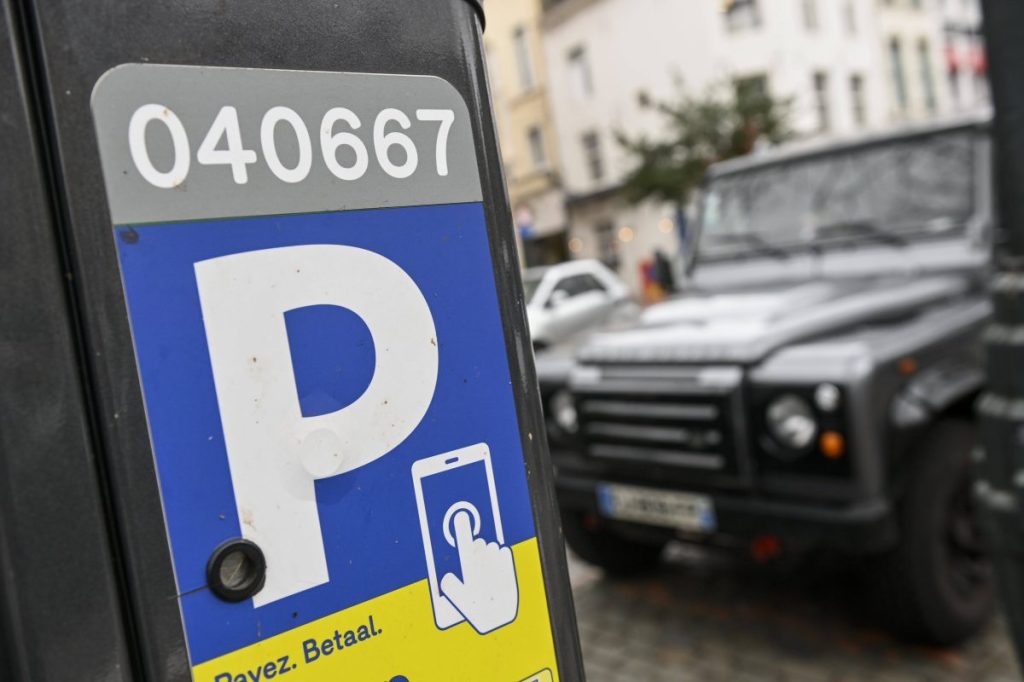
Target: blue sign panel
<point>368,517</point>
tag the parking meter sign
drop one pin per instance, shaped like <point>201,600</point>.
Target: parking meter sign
<point>308,276</point>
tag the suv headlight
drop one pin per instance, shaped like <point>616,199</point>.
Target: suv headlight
<point>827,397</point>
<point>563,411</point>
<point>791,422</point>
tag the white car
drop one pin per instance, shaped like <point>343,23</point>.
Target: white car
<point>567,298</point>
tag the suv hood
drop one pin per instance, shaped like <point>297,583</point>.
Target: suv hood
<point>745,326</point>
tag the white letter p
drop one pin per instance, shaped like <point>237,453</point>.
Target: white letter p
<point>275,453</point>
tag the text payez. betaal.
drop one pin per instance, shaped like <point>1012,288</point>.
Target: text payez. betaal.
<point>313,649</point>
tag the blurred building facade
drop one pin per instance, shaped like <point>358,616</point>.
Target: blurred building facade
<point>567,75</point>
<point>519,90</point>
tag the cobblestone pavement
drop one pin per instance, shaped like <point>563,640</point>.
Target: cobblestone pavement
<point>704,617</point>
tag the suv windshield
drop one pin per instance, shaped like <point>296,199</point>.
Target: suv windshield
<point>879,192</point>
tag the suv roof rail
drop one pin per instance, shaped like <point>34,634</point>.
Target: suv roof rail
<point>801,149</point>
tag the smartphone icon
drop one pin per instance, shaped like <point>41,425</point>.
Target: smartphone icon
<point>461,480</point>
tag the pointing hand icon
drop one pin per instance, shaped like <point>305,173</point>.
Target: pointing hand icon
<point>487,596</point>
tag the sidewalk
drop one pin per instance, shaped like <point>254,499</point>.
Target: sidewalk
<point>707,618</point>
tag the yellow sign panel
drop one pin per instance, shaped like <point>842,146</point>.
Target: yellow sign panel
<point>393,639</point>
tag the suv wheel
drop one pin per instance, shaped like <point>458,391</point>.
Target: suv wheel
<point>598,545</point>
<point>937,585</point>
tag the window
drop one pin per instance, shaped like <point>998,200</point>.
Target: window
<point>574,285</point>
<point>607,244</point>
<point>821,100</point>
<point>741,14</point>
<point>525,63</point>
<point>535,137</point>
<point>927,82</point>
<point>756,85</point>
<point>592,155</point>
<point>493,72</point>
<point>751,87</point>
<point>850,17</point>
<point>579,73</point>
<point>751,91</point>
<point>810,12</point>
<point>590,283</point>
<point>857,100</point>
<point>898,80</point>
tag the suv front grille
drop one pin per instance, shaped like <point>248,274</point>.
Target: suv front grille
<point>682,419</point>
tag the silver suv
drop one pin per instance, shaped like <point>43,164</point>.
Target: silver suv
<point>814,389</point>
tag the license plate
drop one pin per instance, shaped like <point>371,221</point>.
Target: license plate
<point>686,511</point>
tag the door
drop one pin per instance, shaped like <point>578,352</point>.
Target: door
<point>576,303</point>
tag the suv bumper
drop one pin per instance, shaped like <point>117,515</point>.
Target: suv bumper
<point>862,527</point>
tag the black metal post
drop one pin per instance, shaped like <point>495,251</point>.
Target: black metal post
<point>1000,462</point>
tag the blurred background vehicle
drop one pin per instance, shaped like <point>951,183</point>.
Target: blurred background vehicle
<point>565,299</point>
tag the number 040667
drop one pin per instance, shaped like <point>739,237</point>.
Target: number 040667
<point>223,144</point>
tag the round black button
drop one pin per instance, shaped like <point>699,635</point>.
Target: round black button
<point>236,570</point>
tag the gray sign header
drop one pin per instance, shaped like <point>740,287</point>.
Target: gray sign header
<point>289,142</point>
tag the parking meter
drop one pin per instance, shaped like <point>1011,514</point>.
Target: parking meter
<point>273,262</point>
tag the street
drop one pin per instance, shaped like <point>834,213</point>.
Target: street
<point>708,618</point>
<point>329,328</point>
